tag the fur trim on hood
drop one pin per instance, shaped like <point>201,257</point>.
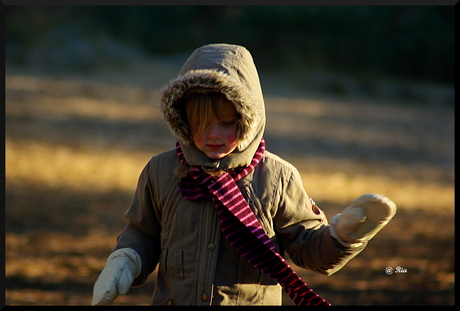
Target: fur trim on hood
<point>228,69</point>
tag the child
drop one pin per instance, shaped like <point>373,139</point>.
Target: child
<point>218,211</point>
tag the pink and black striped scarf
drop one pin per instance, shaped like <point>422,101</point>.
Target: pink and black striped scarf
<point>242,229</point>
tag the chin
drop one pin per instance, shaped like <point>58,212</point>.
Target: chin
<point>217,156</point>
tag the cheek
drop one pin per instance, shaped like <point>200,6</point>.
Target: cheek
<point>231,138</point>
<point>199,138</point>
<point>197,141</point>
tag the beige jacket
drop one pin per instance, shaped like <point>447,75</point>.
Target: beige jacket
<point>197,265</point>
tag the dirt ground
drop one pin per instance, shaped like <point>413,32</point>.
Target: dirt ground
<point>75,145</point>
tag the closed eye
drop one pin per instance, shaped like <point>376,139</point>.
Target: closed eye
<point>231,122</point>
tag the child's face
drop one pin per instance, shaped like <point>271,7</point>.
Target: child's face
<point>219,139</point>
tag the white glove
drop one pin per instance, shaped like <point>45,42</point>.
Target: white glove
<point>362,219</point>
<point>122,267</point>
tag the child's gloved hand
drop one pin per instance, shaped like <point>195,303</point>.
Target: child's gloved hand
<point>122,267</point>
<point>361,221</point>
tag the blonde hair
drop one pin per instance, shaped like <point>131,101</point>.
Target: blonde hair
<point>201,107</point>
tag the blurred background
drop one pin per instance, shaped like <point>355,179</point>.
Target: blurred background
<point>359,98</point>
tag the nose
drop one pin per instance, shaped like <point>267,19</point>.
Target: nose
<point>214,131</point>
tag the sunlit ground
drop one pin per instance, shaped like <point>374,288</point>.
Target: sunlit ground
<point>75,148</point>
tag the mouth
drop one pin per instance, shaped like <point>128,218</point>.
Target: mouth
<point>214,147</point>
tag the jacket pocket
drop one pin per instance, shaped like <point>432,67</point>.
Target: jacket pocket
<point>165,302</point>
<point>247,273</point>
<point>178,266</point>
<point>172,263</point>
<point>164,255</point>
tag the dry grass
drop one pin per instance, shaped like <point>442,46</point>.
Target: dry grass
<point>75,148</point>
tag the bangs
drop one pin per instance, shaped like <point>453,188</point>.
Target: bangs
<point>200,108</point>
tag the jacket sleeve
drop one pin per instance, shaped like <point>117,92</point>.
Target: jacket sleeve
<point>304,232</point>
<point>142,233</point>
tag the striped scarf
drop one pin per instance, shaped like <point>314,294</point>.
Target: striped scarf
<point>242,229</point>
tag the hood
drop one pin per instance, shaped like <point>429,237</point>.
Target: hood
<point>228,69</point>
